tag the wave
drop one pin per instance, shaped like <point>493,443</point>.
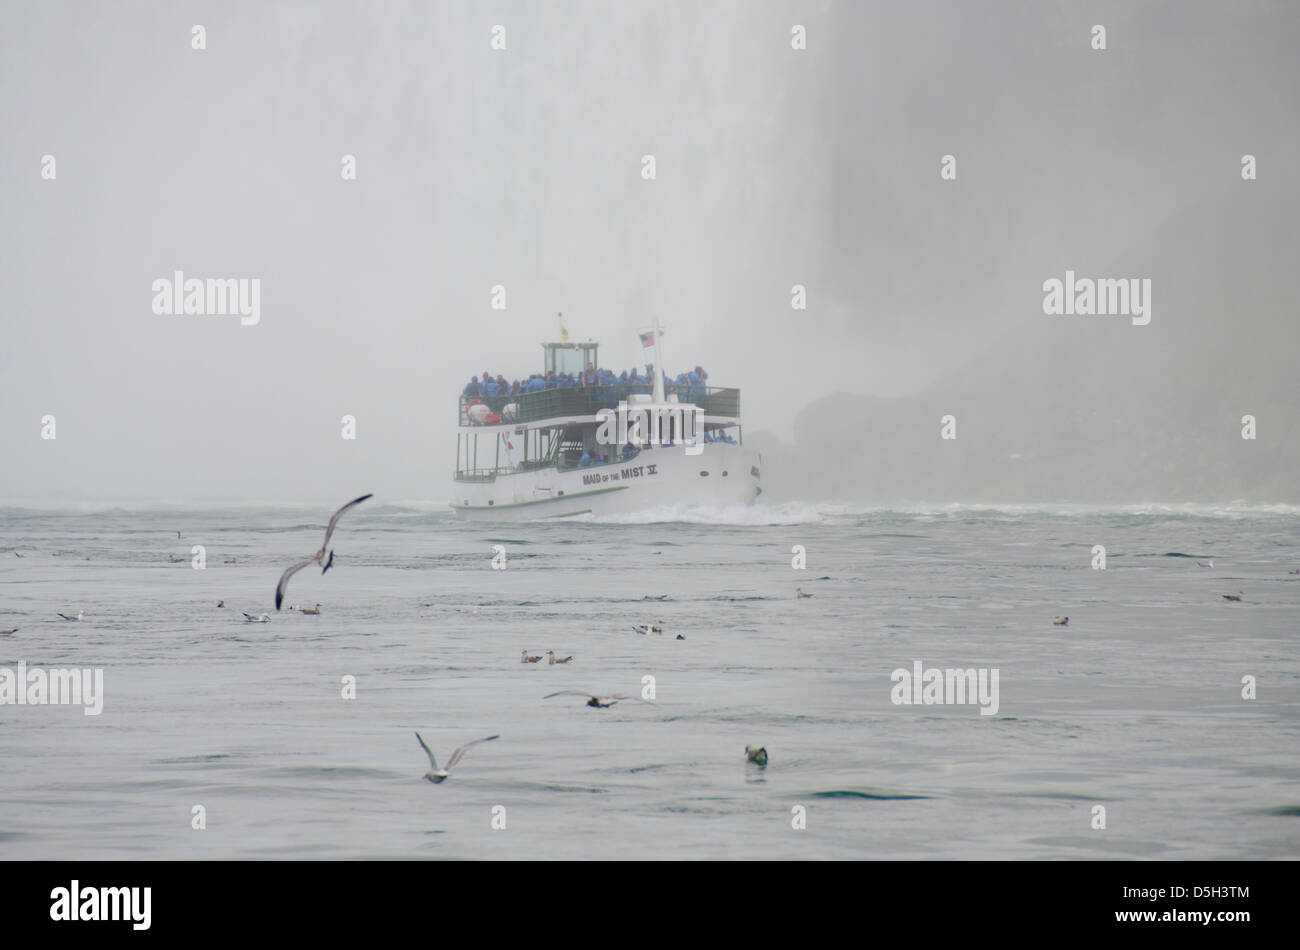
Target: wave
<point>872,796</point>
<point>737,515</point>
<point>1235,510</point>
<point>785,513</point>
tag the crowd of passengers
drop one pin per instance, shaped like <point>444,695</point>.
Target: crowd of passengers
<point>497,391</point>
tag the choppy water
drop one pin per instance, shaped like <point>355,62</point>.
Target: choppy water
<point>1135,705</point>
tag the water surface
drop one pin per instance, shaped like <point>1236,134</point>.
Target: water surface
<point>1135,706</point>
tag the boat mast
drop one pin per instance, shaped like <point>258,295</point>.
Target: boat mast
<point>659,368</point>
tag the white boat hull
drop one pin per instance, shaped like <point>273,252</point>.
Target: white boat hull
<point>721,474</point>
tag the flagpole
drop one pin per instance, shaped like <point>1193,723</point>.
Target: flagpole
<point>659,368</point>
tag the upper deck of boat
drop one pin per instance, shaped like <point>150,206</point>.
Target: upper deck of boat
<point>575,403</point>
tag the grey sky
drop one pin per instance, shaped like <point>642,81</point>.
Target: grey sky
<point>522,167</point>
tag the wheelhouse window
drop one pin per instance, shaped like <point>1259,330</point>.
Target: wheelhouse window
<point>571,358</point>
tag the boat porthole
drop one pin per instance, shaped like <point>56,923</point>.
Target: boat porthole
<point>491,502</point>
<point>702,474</point>
<point>724,474</point>
<point>561,494</point>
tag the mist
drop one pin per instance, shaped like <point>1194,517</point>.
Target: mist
<point>522,168</point>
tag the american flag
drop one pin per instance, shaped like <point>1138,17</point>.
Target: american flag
<point>648,338</point>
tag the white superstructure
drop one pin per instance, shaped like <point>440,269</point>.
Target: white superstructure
<point>560,451</point>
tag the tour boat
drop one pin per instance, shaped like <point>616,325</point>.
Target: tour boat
<point>600,449</point>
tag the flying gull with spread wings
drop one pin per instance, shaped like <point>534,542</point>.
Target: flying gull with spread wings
<point>438,775</point>
<point>596,702</point>
<point>319,556</point>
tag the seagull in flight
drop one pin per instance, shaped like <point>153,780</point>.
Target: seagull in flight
<point>319,556</point>
<point>594,701</point>
<point>440,775</point>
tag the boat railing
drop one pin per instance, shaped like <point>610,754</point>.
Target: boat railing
<point>480,474</point>
<point>490,474</point>
<point>553,403</point>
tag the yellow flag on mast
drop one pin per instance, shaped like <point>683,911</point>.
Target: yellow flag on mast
<point>564,334</point>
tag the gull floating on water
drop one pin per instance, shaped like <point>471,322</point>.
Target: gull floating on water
<point>555,659</point>
<point>249,618</point>
<point>525,658</point>
<point>319,556</point>
<point>801,593</point>
<point>644,628</point>
<point>655,597</point>
<point>80,616</point>
<point>440,775</point>
<point>597,702</point>
<point>6,633</point>
<point>1209,563</point>
<point>1236,596</point>
<point>757,756</point>
<point>1062,621</point>
<point>315,612</point>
